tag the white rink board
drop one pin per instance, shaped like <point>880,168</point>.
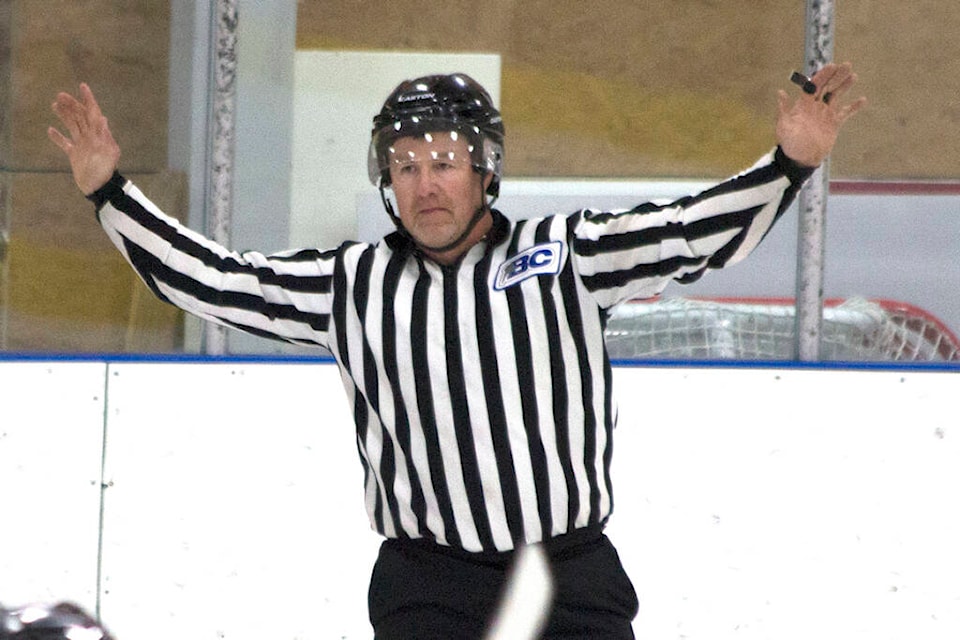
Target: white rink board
<point>790,503</point>
<point>750,503</point>
<point>215,527</point>
<point>51,430</point>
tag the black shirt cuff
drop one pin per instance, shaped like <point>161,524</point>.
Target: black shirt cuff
<point>113,187</point>
<point>796,172</point>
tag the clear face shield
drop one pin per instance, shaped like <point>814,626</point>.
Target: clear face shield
<point>405,150</point>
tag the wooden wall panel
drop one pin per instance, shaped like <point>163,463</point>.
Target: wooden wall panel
<point>686,88</point>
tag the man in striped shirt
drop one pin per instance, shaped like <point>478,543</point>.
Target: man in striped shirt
<point>470,346</point>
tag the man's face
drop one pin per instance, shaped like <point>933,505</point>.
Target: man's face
<point>436,188</point>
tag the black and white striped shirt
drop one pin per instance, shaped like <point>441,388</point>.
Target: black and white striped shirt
<point>481,391</point>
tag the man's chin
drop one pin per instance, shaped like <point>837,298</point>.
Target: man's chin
<point>430,238</point>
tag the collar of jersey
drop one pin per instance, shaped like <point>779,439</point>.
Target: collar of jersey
<point>402,243</point>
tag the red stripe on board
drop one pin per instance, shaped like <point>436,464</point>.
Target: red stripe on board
<point>871,187</point>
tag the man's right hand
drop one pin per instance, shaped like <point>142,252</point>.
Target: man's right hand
<point>89,145</point>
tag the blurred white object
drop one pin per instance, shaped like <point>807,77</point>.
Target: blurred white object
<point>527,598</point>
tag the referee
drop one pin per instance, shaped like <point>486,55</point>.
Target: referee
<point>470,346</point>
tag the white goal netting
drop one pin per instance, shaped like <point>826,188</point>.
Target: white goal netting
<point>763,329</point>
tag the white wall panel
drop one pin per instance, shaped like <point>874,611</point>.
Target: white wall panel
<point>790,503</point>
<point>51,426</point>
<point>750,503</point>
<point>236,505</point>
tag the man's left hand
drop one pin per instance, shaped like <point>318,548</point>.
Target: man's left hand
<point>807,128</point>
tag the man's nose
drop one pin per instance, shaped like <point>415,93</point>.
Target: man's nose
<point>426,181</point>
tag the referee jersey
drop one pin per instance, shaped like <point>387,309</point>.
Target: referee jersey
<point>481,391</point>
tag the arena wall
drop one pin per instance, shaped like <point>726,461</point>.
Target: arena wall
<point>200,498</point>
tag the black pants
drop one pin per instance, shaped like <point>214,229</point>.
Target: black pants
<point>422,591</point>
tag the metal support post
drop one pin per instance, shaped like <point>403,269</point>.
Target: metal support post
<point>813,201</point>
<point>220,169</point>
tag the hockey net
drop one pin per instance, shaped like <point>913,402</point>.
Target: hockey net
<point>853,329</point>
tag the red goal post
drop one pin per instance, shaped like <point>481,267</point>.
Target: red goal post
<point>853,329</point>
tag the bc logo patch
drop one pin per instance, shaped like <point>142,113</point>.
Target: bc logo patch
<point>540,259</point>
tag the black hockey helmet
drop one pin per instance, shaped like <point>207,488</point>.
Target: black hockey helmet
<point>62,621</point>
<point>455,103</point>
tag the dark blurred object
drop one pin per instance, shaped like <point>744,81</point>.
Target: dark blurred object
<point>63,621</point>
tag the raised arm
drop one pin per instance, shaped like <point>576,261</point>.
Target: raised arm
<point>89,145</point>
<point>285,296</point>
<point>635,253</point>
<point>807,127</point>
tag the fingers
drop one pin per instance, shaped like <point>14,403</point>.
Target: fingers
<point>69,111</point>
<point>833,80</point>
<point>93,108</point>
<point>79,114</point>
<point>783,102</point>
<point>843,87</point>
<point>86,128</point>
<point>852,108</point>
<point>825,79</point>
<point>59,139</point>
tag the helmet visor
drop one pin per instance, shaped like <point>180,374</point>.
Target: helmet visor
<point>407,147</point>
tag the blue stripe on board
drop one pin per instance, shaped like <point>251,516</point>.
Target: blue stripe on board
<point>32,356</point>
<point>198,358</point>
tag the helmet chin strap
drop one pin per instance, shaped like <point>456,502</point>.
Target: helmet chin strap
<point>474,220</point>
